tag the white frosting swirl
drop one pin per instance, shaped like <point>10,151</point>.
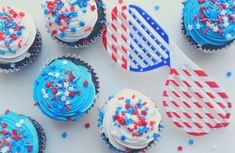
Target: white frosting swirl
<point>23,42</point>
<point>115,132</point>
<point>77,25</point>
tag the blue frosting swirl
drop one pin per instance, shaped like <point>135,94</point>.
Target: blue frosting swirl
<point>17,134</point>
<point>210,22</point>
<point>64,90</point>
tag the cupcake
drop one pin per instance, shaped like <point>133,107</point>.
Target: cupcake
<point>20,41</point>
<point>209,25</point>
<point>129,122</point>
<point>66,89</point>
<point>19,133</point>
<point>76,23</point>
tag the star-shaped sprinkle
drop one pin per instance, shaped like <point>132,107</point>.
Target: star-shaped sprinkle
<point>228,36</point>
<point>65,62</point>
<point>229,74</point>
<point>180,148</point>
<point>190,27</point>
<point>191,142</point>
<point>87,125</point>
<point>156,7</point>
<point>198,26</point>
<point>64,135</point>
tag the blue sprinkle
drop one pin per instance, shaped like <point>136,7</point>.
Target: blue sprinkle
<point>156,8</point>
<point>46,11</point>
<point>19,33</point>
<point>155,135</point>
<point>64,135</point>
<point>161,126</point>
<point>128,101</point>
<point>123,138</point>
<point>62,35</point>
<point>84,11</point>
<point>73,30</point>
<point>229,74</point>
<point>11,50</point>
<point>82,23</point>
<point>191,142</point>
<point>2,52</point>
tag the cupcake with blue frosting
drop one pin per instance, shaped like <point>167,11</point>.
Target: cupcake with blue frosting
<point>76,23</point>
<point>209,24</point>
<point>21,134</point>
<point>129,122</point>
<point>66,89</point>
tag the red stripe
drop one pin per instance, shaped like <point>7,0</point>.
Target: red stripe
<point>114,27</point>
<point>175,83</point>
<point>165,94</point>
<point>114,48</point>
<point>178,124</point>
<point>228,115</point>
<point>187,72</point>
<point>187,94</point>
<point>198,115</point>
<point>198,125</point>
<point>124,27</point>
<point>229,105</point>
<point>175,103</point>
<point>186,104</point>
<point>196,134</point>
<point>198,95</point>
<point>187,115</point>
<point>124,49</point>
<point>221,115</point>
<point>124,64</point>
<point>200,73</point>
<point>210,116</point>
<point>198,84</point>
<point>209,104</point>
<point>212,84</point>
<point>175,93</point>
<point>210,95</point>
<point>187,84</point>
<point>124,38</point>
<point>114,37</point>
<point>187,124</point>
<point>198,105</point>
<point>176,114</point>
<point>167,82</point>
<point>174,71</point>
<point>124,16</point>
<point>114,57</point>
<point>222,94</point>
<point>209,125</point>
<point>169,114</point>
<point>165,104</point>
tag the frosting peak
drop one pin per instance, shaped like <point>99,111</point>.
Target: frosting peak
<point>70,20</point>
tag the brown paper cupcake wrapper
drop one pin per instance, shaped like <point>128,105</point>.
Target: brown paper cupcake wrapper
<point>33,53</point>
<point>41,134</point>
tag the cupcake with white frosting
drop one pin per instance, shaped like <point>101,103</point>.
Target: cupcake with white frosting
<point>129,122</point>
<point>20,41</point>
<point>76,23</point>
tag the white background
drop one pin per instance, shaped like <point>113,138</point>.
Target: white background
<point>16,89</point>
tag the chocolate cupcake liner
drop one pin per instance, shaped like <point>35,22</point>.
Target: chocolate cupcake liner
<point>115,150</point>
<point>33,53</point>
<point>41,134</point>
<point>209,49</point>
<point>78,61</point>
<point>95,34</point>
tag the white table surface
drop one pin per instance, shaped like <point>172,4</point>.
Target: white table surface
<point>16,89</point>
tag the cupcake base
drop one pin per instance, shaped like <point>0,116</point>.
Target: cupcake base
<point>33,53</point>
<point>207,48</point>
<point>95,34</point>
<point>41,134</point>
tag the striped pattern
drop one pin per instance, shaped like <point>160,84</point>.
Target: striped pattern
<point>194,102</point>
<point>130,40</point>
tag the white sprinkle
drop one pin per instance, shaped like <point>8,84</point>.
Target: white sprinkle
<point>198,26</point>
<point>65,62</point>
<point>228,36</point>
<point>190,27</point>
